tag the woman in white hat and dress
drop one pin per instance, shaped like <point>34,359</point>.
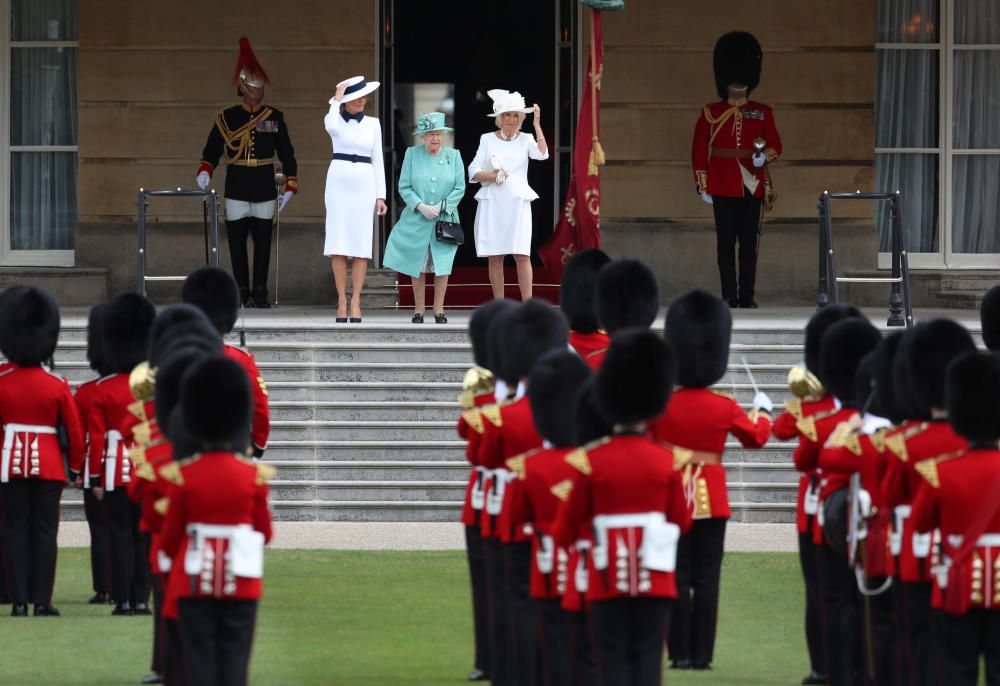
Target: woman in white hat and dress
<point>503,216</point>
<point>431,183</point>
<point>355,189</point>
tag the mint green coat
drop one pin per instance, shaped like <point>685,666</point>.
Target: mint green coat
<point>428,179</point>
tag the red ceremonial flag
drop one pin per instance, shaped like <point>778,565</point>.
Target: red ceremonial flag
<point>579,224</point>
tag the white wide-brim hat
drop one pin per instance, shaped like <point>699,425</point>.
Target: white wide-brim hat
<point>507,101</point>
<point>357,87</point>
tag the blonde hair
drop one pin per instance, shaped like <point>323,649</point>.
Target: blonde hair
<point>520,118</point>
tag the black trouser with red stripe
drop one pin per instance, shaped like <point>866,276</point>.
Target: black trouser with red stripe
<point>555,630</point>
<point>628,639</point>
<point>844,639</point>
<point>100,550</point>
<point>582,651</point>
<point>129,566</point>
<point>965,639</point>
<point>31,522</point>
<point>815,639</point>
<point>216,639</point>
<point>694,615</point>
<point>737,220</point>
<point>523,619</point>
<point>480,599</point>
<point>499,629</point>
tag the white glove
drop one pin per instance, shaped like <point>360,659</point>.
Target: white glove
<point>203,180</point>
<point>501,177</point>
<point>706,197</point>
<point>759,159</point>
<point>762,402</point>
<point>430,212</point>
<point>283,200</point>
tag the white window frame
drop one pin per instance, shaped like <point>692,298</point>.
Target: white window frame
<point>945,257</point>
<point>9,257</point>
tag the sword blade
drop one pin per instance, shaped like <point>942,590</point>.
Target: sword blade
<point>746,366</point>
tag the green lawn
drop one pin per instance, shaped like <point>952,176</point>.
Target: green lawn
<point>346,617</point>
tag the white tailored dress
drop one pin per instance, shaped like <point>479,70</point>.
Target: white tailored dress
<point>503,216</point>
<point>352,187</point>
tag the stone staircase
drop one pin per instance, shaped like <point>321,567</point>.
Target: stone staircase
<point>363,417</point>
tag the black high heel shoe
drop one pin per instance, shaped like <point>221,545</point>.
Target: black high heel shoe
<point>418,318</point>
<point>439,318</point>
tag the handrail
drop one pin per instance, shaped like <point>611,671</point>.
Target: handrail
<point>211,202</point>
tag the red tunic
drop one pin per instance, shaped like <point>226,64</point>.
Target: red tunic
<point>33,403</point>
<point>785,429</point>
<point>815,431</point>
<point>261,411</point>
<point>107,450</point>
<point>508,431</point>
<point>544,481</point>
<point>596,358</point>
<point>470,428</point>
<point>83,396</point>
<point>586,343</point>
<point>699,420</point>
<point>213,489</point>
<point>953,491</point>
<point>622,475</point>
<point>908,446</point>
<point>723,140</point>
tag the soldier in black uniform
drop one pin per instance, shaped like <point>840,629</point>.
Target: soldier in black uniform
<point>247,137</point>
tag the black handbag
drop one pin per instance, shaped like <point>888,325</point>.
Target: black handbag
<point>448,232</point>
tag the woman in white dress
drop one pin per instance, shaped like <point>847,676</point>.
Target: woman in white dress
<point>355,189</point>
<point>503,216</point>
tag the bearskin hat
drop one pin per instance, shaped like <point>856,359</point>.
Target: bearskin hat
<point>168,390</point>
<point>737,58</point>
<point>817,326</point>
<point>529,331</point>
<point>125,324</point>
<point>626,294</point>
<point>698,326</point>
<point>479,329</point>
<point>179,322</point>
<point>556,379</point>
<point>864,386</point>
<point>576,290</point>
<point>989,315</point>
<point>213,290</point>
<point>932,347</point>
<point>590,423</point>
<point>216,404</point>
<point>29,326</point>
<point>841,349</point>
<point>971,383</point>
<point>908,400</point>
<point>637,377</point>
<point>95,343</point>
<point>883,377</point>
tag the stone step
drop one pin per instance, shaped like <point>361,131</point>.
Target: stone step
<point>361,430</point>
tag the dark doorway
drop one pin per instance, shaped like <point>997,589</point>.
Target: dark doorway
<point>468,48</point>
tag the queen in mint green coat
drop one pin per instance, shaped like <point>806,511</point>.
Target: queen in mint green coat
<point>431,183</point>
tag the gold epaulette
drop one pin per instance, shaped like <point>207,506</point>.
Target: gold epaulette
<point>562,489</point>
<point>492,413</point>
<point>928,468</point>
<point>172,473</point>
<point>265,473</point>
<point>145,471</point>
<point>807,427</point>
<point>897,442</point>
<point>161,505</point>
<point>682,456</point>
<point>516,464</point>
<point>723,394</point>
<point>474,418</point>
<point>138,410</point>
<point>794,408</point>
<point>579,460</point>
<point>845,437</point>
<point>878,439</point>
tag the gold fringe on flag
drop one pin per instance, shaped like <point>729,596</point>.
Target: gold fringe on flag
<point>597,158</point>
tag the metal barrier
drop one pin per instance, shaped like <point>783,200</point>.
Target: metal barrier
<point>211,202</point>
<point>900,311</point>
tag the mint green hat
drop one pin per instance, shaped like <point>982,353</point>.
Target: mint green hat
<point>432,121</point>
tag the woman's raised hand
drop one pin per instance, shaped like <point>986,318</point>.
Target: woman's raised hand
<point>340,92</point>
<point>536,112</point>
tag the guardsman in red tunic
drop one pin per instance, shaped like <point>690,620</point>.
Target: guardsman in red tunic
<point>215,292</point>
<point>576,300</point>
<point>247,137</point>
<point>811,402</point>
<point>627,294</point>
<point>125,323</point>
<point>734,141</point>
<point>697,422</point>
<point>989,316</point>
<point>843,347</point>
<point>478,391</point>
<point>543,482</point>
<point>922,359</point>
<point>97,516</point>
<point>960,497</point>
<point>217,523</point>
<point>628,492</point>
<point>42,447</point>
<point>857,449</point>
<point>524,335</point>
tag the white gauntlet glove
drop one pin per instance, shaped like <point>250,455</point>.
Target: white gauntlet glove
<point>759,159</point>
<point>203,180</point>
<point>430,212</point>
<point>706,197</point>
<point>762,402</point>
